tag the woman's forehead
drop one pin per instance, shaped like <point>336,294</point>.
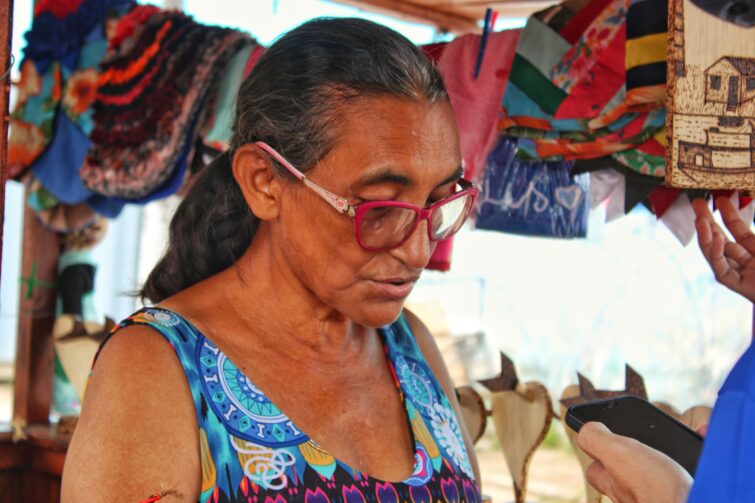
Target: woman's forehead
<point>388,137</point>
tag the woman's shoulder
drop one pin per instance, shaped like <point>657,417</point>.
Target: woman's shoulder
<point>137,431</point>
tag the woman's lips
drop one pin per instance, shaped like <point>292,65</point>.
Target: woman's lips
<point>397,288</point>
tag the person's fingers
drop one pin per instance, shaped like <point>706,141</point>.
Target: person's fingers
<point>702,210</point>
<point>737,253</point>
<point>601,479</point>
<point>738,228</point>
<point>599,443</point>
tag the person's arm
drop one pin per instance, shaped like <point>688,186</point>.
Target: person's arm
<point>137,433</point>
<point>628,471</point>
<point>430,351</point>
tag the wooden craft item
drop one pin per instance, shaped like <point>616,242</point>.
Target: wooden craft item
<point>711,101</point>
<point>473,411</point>
<point>569,394</point>
<point>522,418</point>
<point>522,414</point>
<point>634,384</point>
<point>694,417</point>
<point>76,356</point>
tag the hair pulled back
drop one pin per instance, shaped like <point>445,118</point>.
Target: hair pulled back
<point>291,101</point>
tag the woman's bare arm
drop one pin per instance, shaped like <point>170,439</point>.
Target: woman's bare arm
<point>137,435</point>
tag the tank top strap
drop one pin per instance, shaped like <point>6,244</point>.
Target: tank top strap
<point>433,420</point>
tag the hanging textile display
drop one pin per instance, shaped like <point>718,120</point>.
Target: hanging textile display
<point>569,95</point>
<point>476,100</point>
<point>65,43</point>
<point>535,199</point>
<point>712,101</point>
<point>152,97</point>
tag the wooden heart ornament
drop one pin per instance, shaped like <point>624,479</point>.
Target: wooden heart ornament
<point>522,418</point>
<point>693,418</point>
<point>473,411</point>
<point>522,414</point>
<point>584,392</point>
<point>593,496</point>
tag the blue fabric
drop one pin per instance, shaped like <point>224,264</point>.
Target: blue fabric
<point>532,198</point>
<point>54,39</point>
<point>726,471</point>
<point>58,167</point>
<point>106,206</point>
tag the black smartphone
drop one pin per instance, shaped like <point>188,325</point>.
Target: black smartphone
<point>639,419</point>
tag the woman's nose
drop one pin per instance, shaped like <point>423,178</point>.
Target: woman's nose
<point>417,250</point>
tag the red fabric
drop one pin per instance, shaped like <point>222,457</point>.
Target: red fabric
<point>582,19</point>
<point>255,56</point>
<point>131,21</point>
<point>599,84</point>
<point>662,198</point>
<point>58,8</point>
<point>441,258</point>
<point>744,201</point>
<point>434,51</point>
<point>477,102</point>
<point>652,147</point>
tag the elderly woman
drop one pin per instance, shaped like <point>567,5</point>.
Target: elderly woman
<point>278,363</point>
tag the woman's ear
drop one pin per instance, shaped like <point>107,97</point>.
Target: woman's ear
<point>254,172</point>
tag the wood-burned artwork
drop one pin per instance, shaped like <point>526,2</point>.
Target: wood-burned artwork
<point>711,107</point>
<point>522,414</point>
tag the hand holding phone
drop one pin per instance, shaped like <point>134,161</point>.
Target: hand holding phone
<point>636,418</point>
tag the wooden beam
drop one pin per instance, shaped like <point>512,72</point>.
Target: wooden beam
<point>444,20</point>
<point>6,28</point>
<point>34,346</point>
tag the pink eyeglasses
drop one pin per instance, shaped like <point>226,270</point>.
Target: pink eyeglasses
<point>385,225</point>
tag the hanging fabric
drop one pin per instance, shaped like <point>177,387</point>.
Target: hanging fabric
<point>535,199</point>
<point>151,102</point>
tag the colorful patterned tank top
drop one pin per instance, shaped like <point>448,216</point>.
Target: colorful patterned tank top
<point>251,452</point>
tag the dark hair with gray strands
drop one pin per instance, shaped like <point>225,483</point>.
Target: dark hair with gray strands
<point>291,101</point>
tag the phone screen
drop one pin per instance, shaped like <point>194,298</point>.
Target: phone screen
<point>636,418</point>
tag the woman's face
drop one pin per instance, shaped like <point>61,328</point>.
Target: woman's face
<point>388,149</point>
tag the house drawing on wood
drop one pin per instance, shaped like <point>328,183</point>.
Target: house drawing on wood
<point>730,81</point>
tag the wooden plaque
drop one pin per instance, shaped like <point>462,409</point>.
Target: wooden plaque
<point>711,101</point>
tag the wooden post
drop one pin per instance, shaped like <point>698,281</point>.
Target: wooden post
<point>6,28</point>
<point>34,350</point>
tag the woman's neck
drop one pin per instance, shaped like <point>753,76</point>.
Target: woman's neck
<point>261,297</point>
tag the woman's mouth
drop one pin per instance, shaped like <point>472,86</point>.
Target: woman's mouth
<point>394,288</point>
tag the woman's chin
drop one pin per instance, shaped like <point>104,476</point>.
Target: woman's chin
<point>378,315</point>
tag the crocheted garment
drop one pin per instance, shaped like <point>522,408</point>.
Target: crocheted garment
<point>152,95</point>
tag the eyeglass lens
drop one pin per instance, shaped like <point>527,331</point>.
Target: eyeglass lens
<point>387,226</point>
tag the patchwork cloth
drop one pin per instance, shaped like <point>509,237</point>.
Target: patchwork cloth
<point>591,85</point>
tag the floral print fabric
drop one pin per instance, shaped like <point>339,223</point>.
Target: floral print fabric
<point>250,451</point>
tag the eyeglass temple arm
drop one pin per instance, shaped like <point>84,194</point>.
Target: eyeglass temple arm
<point>339,203</point>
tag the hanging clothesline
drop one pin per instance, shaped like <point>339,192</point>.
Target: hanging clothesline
<point>120,103</point>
